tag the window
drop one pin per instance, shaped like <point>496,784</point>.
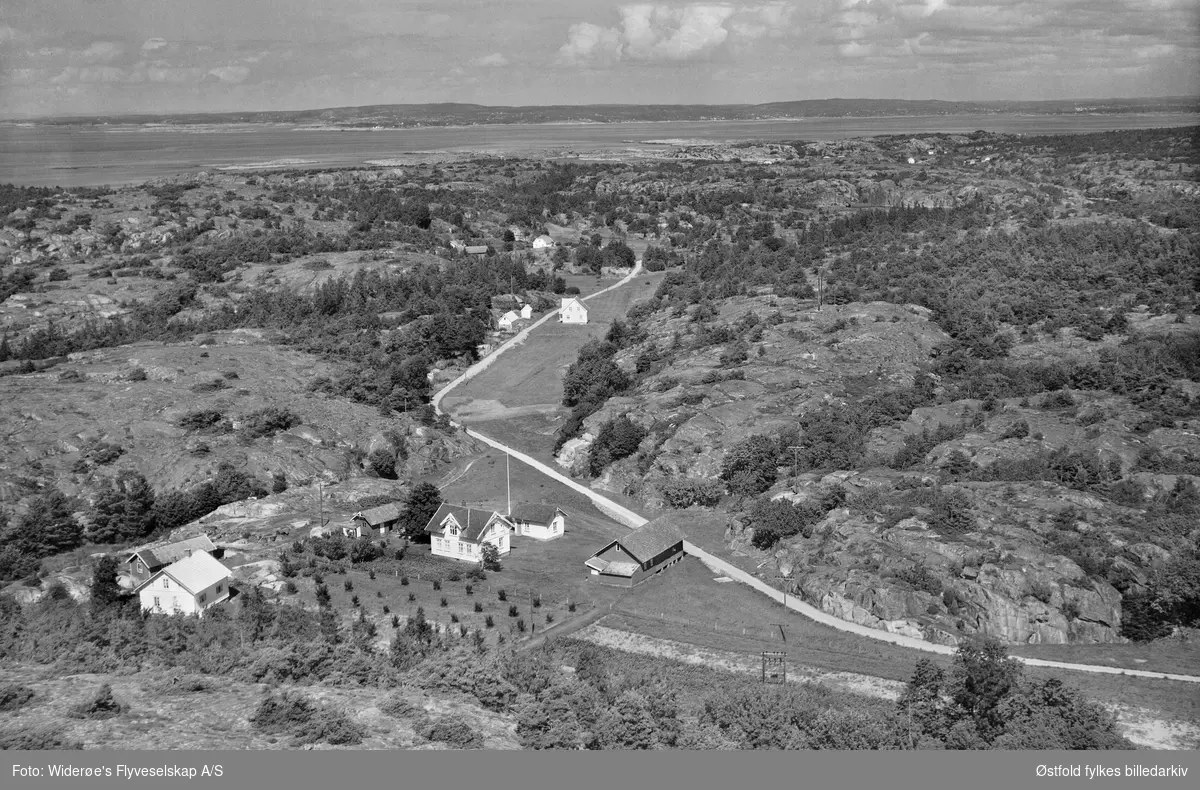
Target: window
<point>157,605</point>
<point>203,596</point>
<point>165,582</point>
<point>141,568</point>
<point>220,586</point>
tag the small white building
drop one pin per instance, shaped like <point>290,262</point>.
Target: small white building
<point>460,532</point>
<point>508,319</point>
<point>526,311</point>
<point>539,521</point>
<point>572,311</point>
<point>543,242</point>
<point>189,586</point>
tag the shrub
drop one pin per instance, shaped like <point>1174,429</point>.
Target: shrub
<point>103,705</point>
<point>478,606</point>
<point>521,625</point>
<point>454,576</point>
<point>348,585</point>
<point>571,606</point>
<point>681,493</point>
<point>398,706</point>
<point>445,602</point>
<point>470,590</point>
<point>502,595</point>
<point>537,602</point>
<point>489,621</point>
<point>200,420</point>
<point>36,737</point>
<point>454,731</point>
<point>512,610</point>
<point>403,581</point>
<point>290,713</point>
<point>14,696</point>
<point>412,597</point>
<point>268,422</point>
<point>437,585</point>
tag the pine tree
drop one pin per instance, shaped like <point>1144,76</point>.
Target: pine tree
<point>105,590</point>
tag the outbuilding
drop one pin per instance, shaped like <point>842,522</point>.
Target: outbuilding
<point>539,521</point>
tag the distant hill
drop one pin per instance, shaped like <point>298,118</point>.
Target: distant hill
<point>448,114</point>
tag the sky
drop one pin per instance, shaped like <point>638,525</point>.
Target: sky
<point>62,57</point>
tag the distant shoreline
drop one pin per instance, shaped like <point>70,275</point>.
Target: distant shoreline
<point>236,126</point>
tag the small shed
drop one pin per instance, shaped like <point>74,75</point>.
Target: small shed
<point>378,520</point>
<point>543,242</point>
<point>476,249</point>
<point>629,561</point>
<point>508,319</point>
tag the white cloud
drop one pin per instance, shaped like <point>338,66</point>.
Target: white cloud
<point>493,60</point>
<point>230,74</point>
<point>662,33</point>
<point>101,52</point>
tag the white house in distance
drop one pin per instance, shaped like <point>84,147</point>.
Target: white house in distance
<point>539,521</point>
<point>572,311</point>
<point>508,319</point>
<point>543,242</point>
<point>460,532</point>
<point>189,586</point>
<point>526,311</point>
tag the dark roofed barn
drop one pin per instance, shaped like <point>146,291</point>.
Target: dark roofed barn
<point>145,561</point>
<point>642,553</point>
<point>382,519</point>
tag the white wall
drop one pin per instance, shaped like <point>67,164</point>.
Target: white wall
<point>174,598</point>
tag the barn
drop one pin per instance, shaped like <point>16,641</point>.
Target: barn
<point>143,562</point>
<point>381,520</point>
<point>630,560</point>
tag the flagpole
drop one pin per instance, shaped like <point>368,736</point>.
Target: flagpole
<point>507,484</point>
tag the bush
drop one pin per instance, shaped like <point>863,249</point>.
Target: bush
<point>454,731</point>
<point>512,610</point>
<point>200,420</point>
<point>103,705</point>
<point>478,606</point>
<point>268,422</point>
<point>14,696</point>
<point>398,706</point>
<point>489,621</point>
<point>502,595</point>
<point>680,493</point>
<point>36,737</point>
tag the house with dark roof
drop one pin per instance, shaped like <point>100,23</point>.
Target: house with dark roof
<point>378,520</point>
<point>539,521</point>
<point>647,550</point>
<point>143,562</point>
<point>460,532</point>
<point>190,586</point>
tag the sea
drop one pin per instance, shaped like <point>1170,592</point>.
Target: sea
<point>97,155</point>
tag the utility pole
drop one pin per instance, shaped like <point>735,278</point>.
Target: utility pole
<point>321,504</point>
<point>507,484</point>
<point>795,448</point>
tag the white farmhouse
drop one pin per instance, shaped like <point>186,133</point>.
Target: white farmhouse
<point>190,586</point>
<point>572,311</point>
<point>543,242</point>
<point>539,521</point>
<point>460,532</point>
<point>508,319</point>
